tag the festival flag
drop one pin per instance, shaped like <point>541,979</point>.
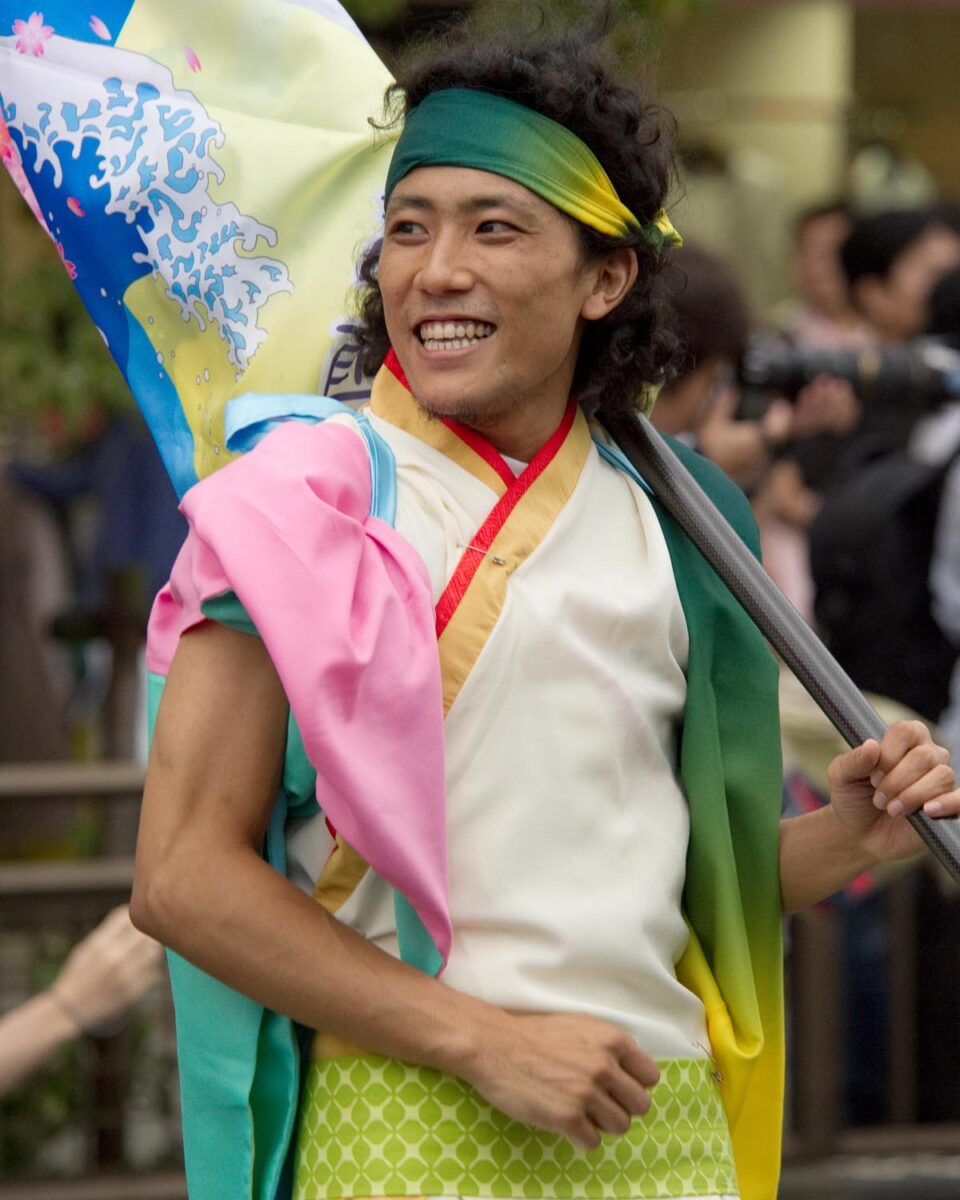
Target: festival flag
<point>208,173</point>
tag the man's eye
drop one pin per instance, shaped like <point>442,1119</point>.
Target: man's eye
<point>404,228</point>
<point>496,227</point>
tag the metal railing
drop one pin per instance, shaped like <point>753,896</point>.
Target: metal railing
<point>819,1126</point>
<point>74,896</point>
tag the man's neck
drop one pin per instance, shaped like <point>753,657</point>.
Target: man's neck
<point>518,435</point>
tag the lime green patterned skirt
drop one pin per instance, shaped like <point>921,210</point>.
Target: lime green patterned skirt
<point>372,1126</point>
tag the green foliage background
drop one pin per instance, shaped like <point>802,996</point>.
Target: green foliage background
<point>636,26</point>
<point>374,15</point>
<point>54,366</point>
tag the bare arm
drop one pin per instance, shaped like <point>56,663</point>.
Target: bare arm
<point>203,889</point>
<point>29,1035</point>
<point>817,859</point>
<point>872,789</point>
<point>104,974</point>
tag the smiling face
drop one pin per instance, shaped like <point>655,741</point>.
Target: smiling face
<point>485,292</point>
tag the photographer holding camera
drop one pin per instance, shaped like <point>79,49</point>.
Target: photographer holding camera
<point>703,406</point>
<point>882,535</point>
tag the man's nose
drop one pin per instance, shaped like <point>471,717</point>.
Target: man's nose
<point>445,266</point>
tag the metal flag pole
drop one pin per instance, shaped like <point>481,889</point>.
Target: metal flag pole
<point>813,664</point>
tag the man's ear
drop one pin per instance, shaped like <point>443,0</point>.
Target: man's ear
<point>614,277</point>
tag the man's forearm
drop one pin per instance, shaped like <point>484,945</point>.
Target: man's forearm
<point>242,922</point>
<point>817,858</point>
<point>569,1074</point>
<point>202,889</point>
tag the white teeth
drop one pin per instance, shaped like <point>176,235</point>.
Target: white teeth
<point>449,343</point>
<point>450,331</point>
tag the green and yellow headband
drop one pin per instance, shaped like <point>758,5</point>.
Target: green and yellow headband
<point>459,127</point>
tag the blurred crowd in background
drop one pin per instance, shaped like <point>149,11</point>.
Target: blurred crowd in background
<point>840,418</point>
<point>818,295</point>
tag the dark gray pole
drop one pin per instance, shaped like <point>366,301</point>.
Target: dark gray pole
<point>813,664</point>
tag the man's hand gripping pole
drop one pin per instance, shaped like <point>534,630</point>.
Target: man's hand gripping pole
<point>813,664</point>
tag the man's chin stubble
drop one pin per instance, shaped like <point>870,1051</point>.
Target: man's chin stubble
<point>477,417</point>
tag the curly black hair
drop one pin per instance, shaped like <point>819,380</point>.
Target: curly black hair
<point>567,77</point>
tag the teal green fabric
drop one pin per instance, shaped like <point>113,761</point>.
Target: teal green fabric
<point>463,127</point>
<point>731,770</point>
<point>227,610</point>
<point>730,746</point>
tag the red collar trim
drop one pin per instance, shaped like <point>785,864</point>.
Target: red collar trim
<point>483,539</point>
<point>470,437</point>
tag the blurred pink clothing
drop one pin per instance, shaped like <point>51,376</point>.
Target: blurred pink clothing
<point>816,330</point>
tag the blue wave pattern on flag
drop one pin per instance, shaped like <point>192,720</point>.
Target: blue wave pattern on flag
<point>148,187</point>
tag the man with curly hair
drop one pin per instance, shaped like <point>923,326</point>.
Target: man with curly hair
<point>573,810</point>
